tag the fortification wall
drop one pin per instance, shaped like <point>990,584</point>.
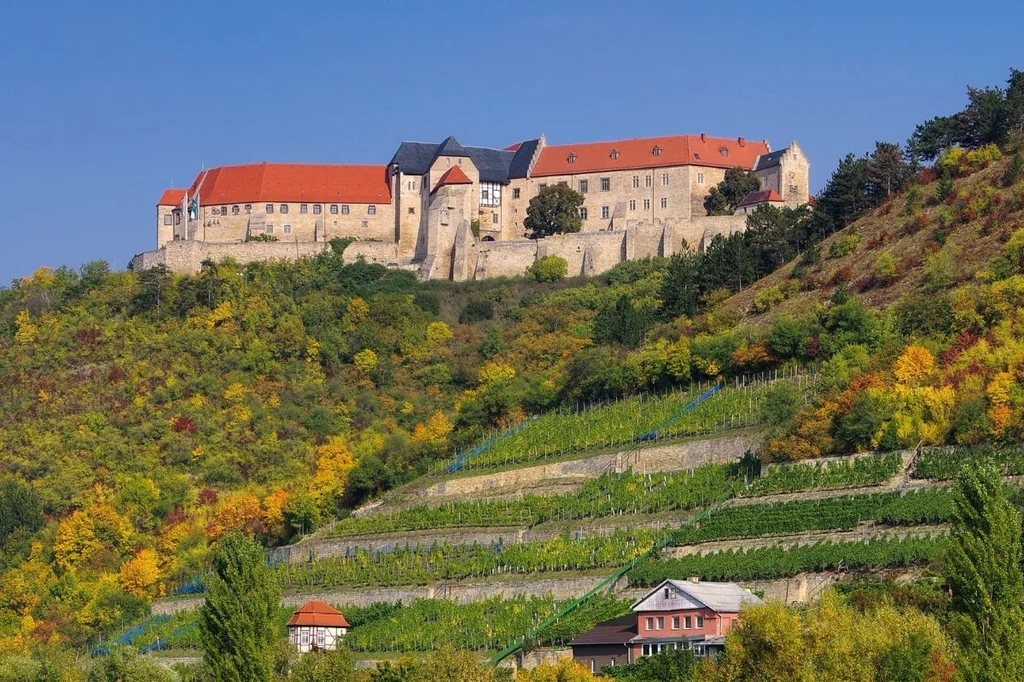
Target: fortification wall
<point>385,253</point>
<point>505,259</point>
<point>187,257</point>
<point>699,232</point>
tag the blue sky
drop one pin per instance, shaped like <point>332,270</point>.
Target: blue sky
<point>106,104</point>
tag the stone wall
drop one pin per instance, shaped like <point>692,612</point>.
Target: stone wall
<point>187,256</point>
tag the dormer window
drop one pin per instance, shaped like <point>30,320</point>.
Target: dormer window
<point>571,158</point>
<point>696,155</point>
<point>614,154</point>
<point>724,151</point>
<point>656,151</point>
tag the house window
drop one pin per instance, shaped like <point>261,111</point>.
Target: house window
<point>605,212</point>
<point>675,622</point>
<point>234,210</point>
<point>650,623</point>
<point>724,151</point>
<point>593,665</point>
<point>270,208</point>
<point>515,193</point>
<point>583,212</point>
<point>583,186</point>
<point>700,178</point>
<point>648,180</point>
<point>490,194</point>
<point>344,209</point>
<point>632,204</point>
<point>661,622</point>
<point>614,154</point>
<point>287,229</point>
<point>321,638</point>
<point>687,623</point>
<point>656,151</point>
<point>284,208</point>
<point>664,202</point>
<point>606,184</point>
<point>412,211</point>
<point>371,209</point>
<point>636,181</point>
<point>366,223</point>
<point>304,637</point>
<point>248,209</point>
<point>664,179</point>
<point>316,209</point>
<point>696,155</point>
<point>168,220</point>
<point>571,158</point>
<point>646,650</point>
<point>334,209</point>
<point>270,229</point>
<point>647,204</point>
<point>542,186</point>
<point>494,218</point>
<point>303,208</point>
<point>612,663</point>
<point>700,622</point>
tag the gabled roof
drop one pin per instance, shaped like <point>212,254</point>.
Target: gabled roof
<point>719,597</point>
<point>416,158</point>
<point>520,165</point>
<point>171,197</point>
<point>318,613</point>
<point>452,176</point>
<point>292,182</point>
<point>759,197</point>
<point>769,160</point>
<point>651,152</point>
<point>450,147</point>
<point>616,631</point>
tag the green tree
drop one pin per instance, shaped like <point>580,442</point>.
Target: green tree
<point>325,666</point>
<point>726,195</point>
<point>20,508</point>
<point>236,623</point>
<point>555,210</point>
<point>127,665</point>
<point>622,323</point>
<point>983,571</point>
<point>673,665</point>
<point>888,171</point>
<point>548,269</point>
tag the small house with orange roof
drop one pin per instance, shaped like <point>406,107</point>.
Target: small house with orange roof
<point>316,626</point>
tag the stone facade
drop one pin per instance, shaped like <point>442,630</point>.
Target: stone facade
<point>641,198</point>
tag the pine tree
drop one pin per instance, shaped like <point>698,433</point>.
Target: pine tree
<point>984,575</point>
<point>236,624</point>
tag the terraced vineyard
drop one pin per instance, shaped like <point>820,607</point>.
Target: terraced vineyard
<point>862,471</point>
<point>944,463</point>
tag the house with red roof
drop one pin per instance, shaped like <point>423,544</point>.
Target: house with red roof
<point>316,626</point>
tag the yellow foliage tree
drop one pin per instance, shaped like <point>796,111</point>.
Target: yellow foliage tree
<point>435,431</point>
<point>140,574</point>
<point>439,335</point>
<point>273,510</point>
<point>333,464</point>
<point>566,670</point>
<point>495,371</point>
<point>365,361</point>
<point>242,513</point>
<point>87,530</point>
<point>915,364</point>
<point>356,312</point>
<point>27,332</point>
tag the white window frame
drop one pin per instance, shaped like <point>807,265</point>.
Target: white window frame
<point>371,209</point>
<point>583,212</point>
<point>647,204</point>
<point>490,194</point>
<point>650,623</point>
<point>632,204</point>
<point>648,180</point>
<point>700,178</point>
<point>168,219</point>
<point>606,184</point>
<point>664,202</point>
<point>661,622</point>
<point>664,179</point>
<point>675,622</point>
<point>606,212</point>
<point>270,229</point>
<point>636,181</point>
<point>700,622</point>
<point>584,186</point>
<point>321,637</point>
<point>287,229</point>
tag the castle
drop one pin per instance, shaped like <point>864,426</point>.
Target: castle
<point>453,212</point>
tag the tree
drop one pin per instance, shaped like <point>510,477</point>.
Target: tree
<point>888,171</point>
<point>734,187</point>
<point>236,623</point>
<point>846,195</point>
<point>983,571</point>
<point>673,665</point>
<point>20,508</point>
<point>935,135</point>
<point>555,210</point>
<point>325,666</point>
<point>548,269</point>
<point>565,670</point>
<point>124,664</point>
<point>622,323</point>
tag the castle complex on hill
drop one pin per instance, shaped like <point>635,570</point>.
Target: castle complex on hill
<point>452,212</point>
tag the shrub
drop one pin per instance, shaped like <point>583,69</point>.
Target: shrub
<point>913,200</point>
<point>548,269</point>
<point>477,310</point>
<point>768,298</point>
<point>1014,171</point>
<point>885,267</point>
<point>944,189</point>
<point>843,246</point>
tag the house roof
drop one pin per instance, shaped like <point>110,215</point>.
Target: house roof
<point>520,165</point>
<point>615,631</point>
<point>719,597</point>
<point>759,197</point>
<point>651,152</point>
<point>318,613</point>
<point>494,165</point>
<point>769,160</point>
<point>292,182</point>
<point>171,197</point>
<point>453,176</point>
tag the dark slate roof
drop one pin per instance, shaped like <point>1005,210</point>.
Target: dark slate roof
<point>616,631</point>
<point>493,164</point>
<point>520,165</point>
<point>414,158</point>
<point>450,147</point>
<point>769,160</point>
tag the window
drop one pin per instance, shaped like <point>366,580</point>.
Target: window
<point>648,180</point>
<point>650,623</point>
<point>700,621</point>
<point>666,593</point>
<point>366,223</point>
<point>661,622</point>
<point>490,194</point>
<point>583,212</point>
<point>646,650</point>
<point>664,202</point>
<point>321,637</point>
<point>284,208</point>
<point>696,155</point>
<point>270,229</point>
<point>248,209</point>
<point>270,208</point>
<point>371,209</point>
<point>494,218</point>
<point>793,189</point>
<point>571,158</point>
<point>632,204</point>
<point>334,209</point>
<point>316,209</point>
<point>606,184</point>
<point>583,186</point>
<point>656,151</point>
<point>636,181</point>
<point>664,179</point>
<point>612,663</point>
<point>287,229</point>
<point>700,178</point>
<point>303,208</point>
<point>304,637</point>
<point>605,212</point>
<point>687,623</point>
<point>412,211</point>
<point>542,186</point>
<point>344,209</point>
<point>724,151</point>
<point>647,204</point>
<point>411,184</point>
<point>168,220</point>
<point>593,665</point>
<point>515,193</point>
<point>675,622</point>
<point>234,210</point>
<point>614,154</point>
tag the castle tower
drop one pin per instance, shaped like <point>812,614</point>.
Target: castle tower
<point>788,172</point>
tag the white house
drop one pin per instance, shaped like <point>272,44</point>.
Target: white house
<point>316,626</point>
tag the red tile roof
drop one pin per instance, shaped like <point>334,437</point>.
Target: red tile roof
<point>292,182</point>
<point>760,196</point>
<point>652,152</point>
<point>453,176</point>
<point>171,197</point>
<point>318,613</point>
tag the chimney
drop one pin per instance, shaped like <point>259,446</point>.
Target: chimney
<point>741,141</point>
<point>694,579</point>
<point>703,137</point>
